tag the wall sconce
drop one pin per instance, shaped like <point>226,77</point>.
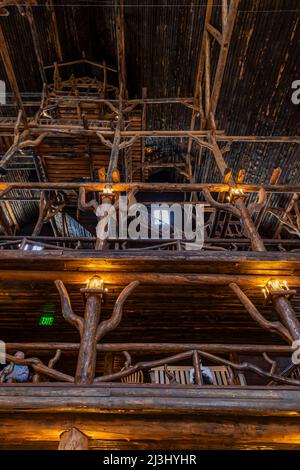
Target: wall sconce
<point>235,193</point>
<point>108,189</point>
<point>95,285</point>
<point>108,192</point>
<point>148,150</point>
<point>277,288</point>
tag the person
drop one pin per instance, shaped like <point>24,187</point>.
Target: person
<point>15,372</point>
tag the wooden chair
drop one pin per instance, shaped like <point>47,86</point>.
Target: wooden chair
<point>183,375</point>
<point>134,378</point>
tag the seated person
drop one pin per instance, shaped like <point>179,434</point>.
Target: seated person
<point>206,376</point>
<point>15,372</point>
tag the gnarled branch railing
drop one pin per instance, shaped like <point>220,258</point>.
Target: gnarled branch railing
<point>233,367</point>
<point>245,366</point>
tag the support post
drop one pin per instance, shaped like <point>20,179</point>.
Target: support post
<point>287,315</point>
<point>73,439</point>
<point>86,364</point>
<point>249,227</point>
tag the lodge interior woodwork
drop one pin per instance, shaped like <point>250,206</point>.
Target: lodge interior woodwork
<point>160,104</point>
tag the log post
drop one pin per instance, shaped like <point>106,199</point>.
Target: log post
<point>90,330</point>
<point>86,364</point>
<point>250,230</point>
<point>281,303</point>
<point>287,315</point>
<point>73,439</point>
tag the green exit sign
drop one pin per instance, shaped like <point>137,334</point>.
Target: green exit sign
<point>47,317</point>
<point>46,320</point>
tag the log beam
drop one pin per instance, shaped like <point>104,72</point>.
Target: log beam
<point>111,348</point>
<point>145,278</point>
<point>36,43</point>
<point>6,187</point>
<point>11,75</point>
<point>120,34</point>
<point>226,38</point>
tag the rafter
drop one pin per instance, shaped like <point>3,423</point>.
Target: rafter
<point>11,75</point>
<point>36,42</point>
<point>120,33</point>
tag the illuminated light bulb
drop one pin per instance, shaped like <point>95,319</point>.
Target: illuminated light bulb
<point>148,150</point>
<point>46,115</point>
<point>237,192</point>
<point>264,290</point>
<point>95,283</point>
<point>108,190</point>
<point>273,286</point>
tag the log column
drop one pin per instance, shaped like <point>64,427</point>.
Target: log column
<point>281,303</point>
<point>87,357</point>
<point>287,315</point>
<point>249,227</point>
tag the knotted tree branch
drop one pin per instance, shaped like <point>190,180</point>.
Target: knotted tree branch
<point>67,311</point>
<point>116,317</point>
<point>220,205</point>
<point>261,202</point>
<point>273,327</point>
<point>83,205</point>
<point>41,368</point>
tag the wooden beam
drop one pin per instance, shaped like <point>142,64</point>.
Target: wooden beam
<point>36,43</point>
<point>215,33</point>
<point>145,278</point>
<point>118,398</point>
<point>199,77</point>
<point>114,156</point>
<point>155,348</point>
<point>8,230</point>
<point>11,75</point>
<point>226,38</point>
<point>120,34</point>
<point>51,8</point>
<point>155,187</point>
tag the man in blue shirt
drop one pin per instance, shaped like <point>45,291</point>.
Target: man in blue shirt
<point>15,372</point>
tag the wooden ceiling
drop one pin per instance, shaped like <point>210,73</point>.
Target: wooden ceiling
<point>161,45</point>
